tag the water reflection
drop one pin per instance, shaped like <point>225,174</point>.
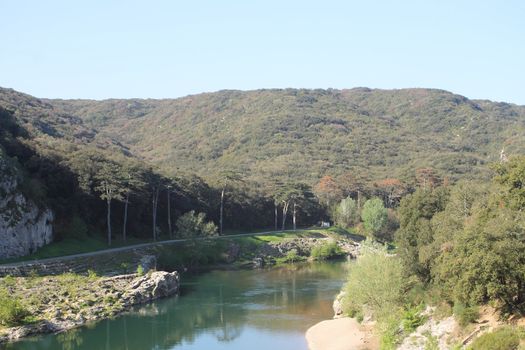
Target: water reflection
<point>219,309</point>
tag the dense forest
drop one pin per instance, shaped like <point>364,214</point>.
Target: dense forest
<point>265,158</point>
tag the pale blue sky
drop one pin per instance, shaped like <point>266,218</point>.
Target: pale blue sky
<point>102,49</point>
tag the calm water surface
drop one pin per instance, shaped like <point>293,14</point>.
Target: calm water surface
<point>246,309</point>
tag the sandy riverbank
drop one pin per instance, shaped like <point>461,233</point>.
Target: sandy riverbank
<point>341,334</point>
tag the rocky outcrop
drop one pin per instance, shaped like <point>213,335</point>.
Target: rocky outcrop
<point>101,298</point>
<point>24,227</point>
<point>156,285</point>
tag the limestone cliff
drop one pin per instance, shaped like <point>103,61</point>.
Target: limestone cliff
<point>24,227</point>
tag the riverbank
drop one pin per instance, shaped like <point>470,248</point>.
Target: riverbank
<point>45,304</point>
<point>341,334</point>
<point>54,304</point>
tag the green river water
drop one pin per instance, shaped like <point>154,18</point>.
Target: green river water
<point>266,309</point>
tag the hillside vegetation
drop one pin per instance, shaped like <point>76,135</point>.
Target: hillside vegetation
<point>273,134</point>
<point>135,166</point>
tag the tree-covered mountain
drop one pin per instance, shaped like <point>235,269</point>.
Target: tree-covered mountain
<point>252,153</point>
<point>305,134</point>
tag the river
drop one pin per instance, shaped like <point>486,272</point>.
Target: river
<point>268,309</point>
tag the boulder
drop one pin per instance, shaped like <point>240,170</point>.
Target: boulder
<point>154,285</point>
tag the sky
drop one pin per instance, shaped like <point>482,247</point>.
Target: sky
<point>162,49</point>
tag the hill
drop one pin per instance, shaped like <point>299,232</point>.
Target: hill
<point>176,150</point>
<point>305,134</point>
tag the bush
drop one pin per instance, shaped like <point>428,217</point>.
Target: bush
<point>505,338</point>
<point>376,280</point>
<point>12,311</point>
<point>191,225</point>
<point>326,251</point>
<point>291,257</point>
<point>140,270</point>
<point>465,314</point>
<point>412,319</point>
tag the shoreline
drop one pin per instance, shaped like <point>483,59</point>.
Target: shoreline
<point>343,333</point>
<point>114,296</point>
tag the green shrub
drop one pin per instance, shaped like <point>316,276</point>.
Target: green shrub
<point>140,270</point>
<point>12,311</point>
<point>465,314</point>
<point>376,280</point>
<point>505,338</point>
<point>412,319</point>
<point>326,251</point>
<point>191,225</point>
<point>291,257</point>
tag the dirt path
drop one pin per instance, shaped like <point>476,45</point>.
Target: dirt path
<point>126,248</point>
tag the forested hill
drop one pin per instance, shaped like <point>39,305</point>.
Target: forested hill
<point>305,134</point>
<point>291,133</point>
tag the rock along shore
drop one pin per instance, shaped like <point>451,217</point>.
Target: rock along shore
<point>70,301</point>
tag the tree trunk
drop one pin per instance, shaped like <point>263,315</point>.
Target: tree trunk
<point>294,216</point>
<point>155,202</point>
<point>221,212</point>
<point>275,205</point>
<point>285,211</point>
<point>109,220</point>
<point>126,202</point>
<point>169,215</point>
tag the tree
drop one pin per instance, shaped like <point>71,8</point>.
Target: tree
<point>426,178</point>
<point>97,173</point>
<point>328,191</point>
<point>347,213</point>
<point>511,175</point>
<point>296,195</point>
<point>391,190</point>
<point>416,230</point>
<point>375,216</point>
<point>155,182</point>
<point>133,181</point>
<point>226,180</point>
<point>110,186</point>
<point>352,186</point>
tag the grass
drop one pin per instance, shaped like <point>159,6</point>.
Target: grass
<point>71,246</point>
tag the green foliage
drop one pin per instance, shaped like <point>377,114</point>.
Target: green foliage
<point>92,275</point>
<point>465,314</point>
<point>375,217</point>
<point>140,270</point>
<point>347,213</point>
<point>511,175</point>
<point>415,231</point>
<point>390,333</point>
<point>12,311</point>
<point>504,338</point>
<point>486,261</point>
<point>292,256</point>
<point>191,225</point>
<point>326,251</point>
<point>412,318</point>
<point>376,280</point>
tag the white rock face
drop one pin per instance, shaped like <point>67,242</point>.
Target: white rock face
<point>23,226</point>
